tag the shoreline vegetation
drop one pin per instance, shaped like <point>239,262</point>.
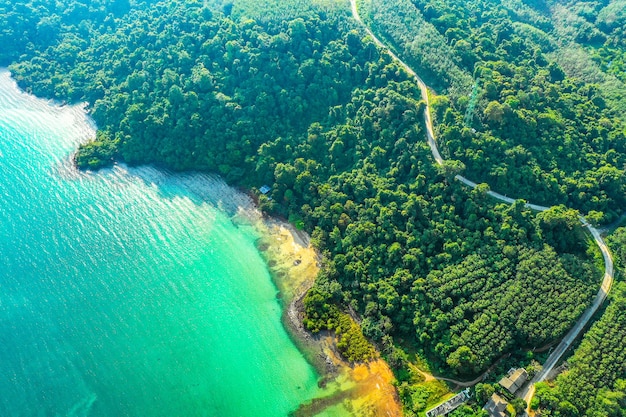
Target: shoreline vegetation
<point>349,389</point>
<point>357,389</point>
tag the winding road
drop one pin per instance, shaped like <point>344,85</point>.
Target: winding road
<point>607,281</point>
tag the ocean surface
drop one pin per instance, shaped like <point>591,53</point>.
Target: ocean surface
<point>129,292</point>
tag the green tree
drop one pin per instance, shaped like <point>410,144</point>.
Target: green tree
<point>483,392</point>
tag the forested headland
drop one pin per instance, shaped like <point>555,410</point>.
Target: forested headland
<point>307,104</point>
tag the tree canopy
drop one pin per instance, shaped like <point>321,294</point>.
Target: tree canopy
<point>518,114</point>
<point>312,107</point>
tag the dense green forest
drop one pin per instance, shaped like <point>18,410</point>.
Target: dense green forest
<point>514,108</point>
<point>310,106</point>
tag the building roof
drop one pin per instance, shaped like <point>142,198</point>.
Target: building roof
<point>265,189</point>
<point>514,380</point>
<point>496,406</point>
<point>450,405</point>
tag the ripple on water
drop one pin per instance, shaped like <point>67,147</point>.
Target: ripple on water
<point>129,292</point>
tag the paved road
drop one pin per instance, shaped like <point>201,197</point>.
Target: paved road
<point>607,281</point>
<point>420,83</point>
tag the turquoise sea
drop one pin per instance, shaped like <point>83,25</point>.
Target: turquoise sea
<point>129,292</point>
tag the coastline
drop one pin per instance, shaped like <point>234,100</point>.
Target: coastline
<point>347,389</point>
<point>293,264</point>
<point>364,389</point>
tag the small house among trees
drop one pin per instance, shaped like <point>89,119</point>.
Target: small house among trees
<point>496,406</point>
<point>450,405</point>
<point>514,380</point>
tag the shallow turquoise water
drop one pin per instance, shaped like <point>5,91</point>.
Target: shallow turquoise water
<point>128,293</point>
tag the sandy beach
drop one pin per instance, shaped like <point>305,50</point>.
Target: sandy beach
<point>352,390</point>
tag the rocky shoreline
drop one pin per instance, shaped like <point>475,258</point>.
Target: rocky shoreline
<point>294,265</point>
